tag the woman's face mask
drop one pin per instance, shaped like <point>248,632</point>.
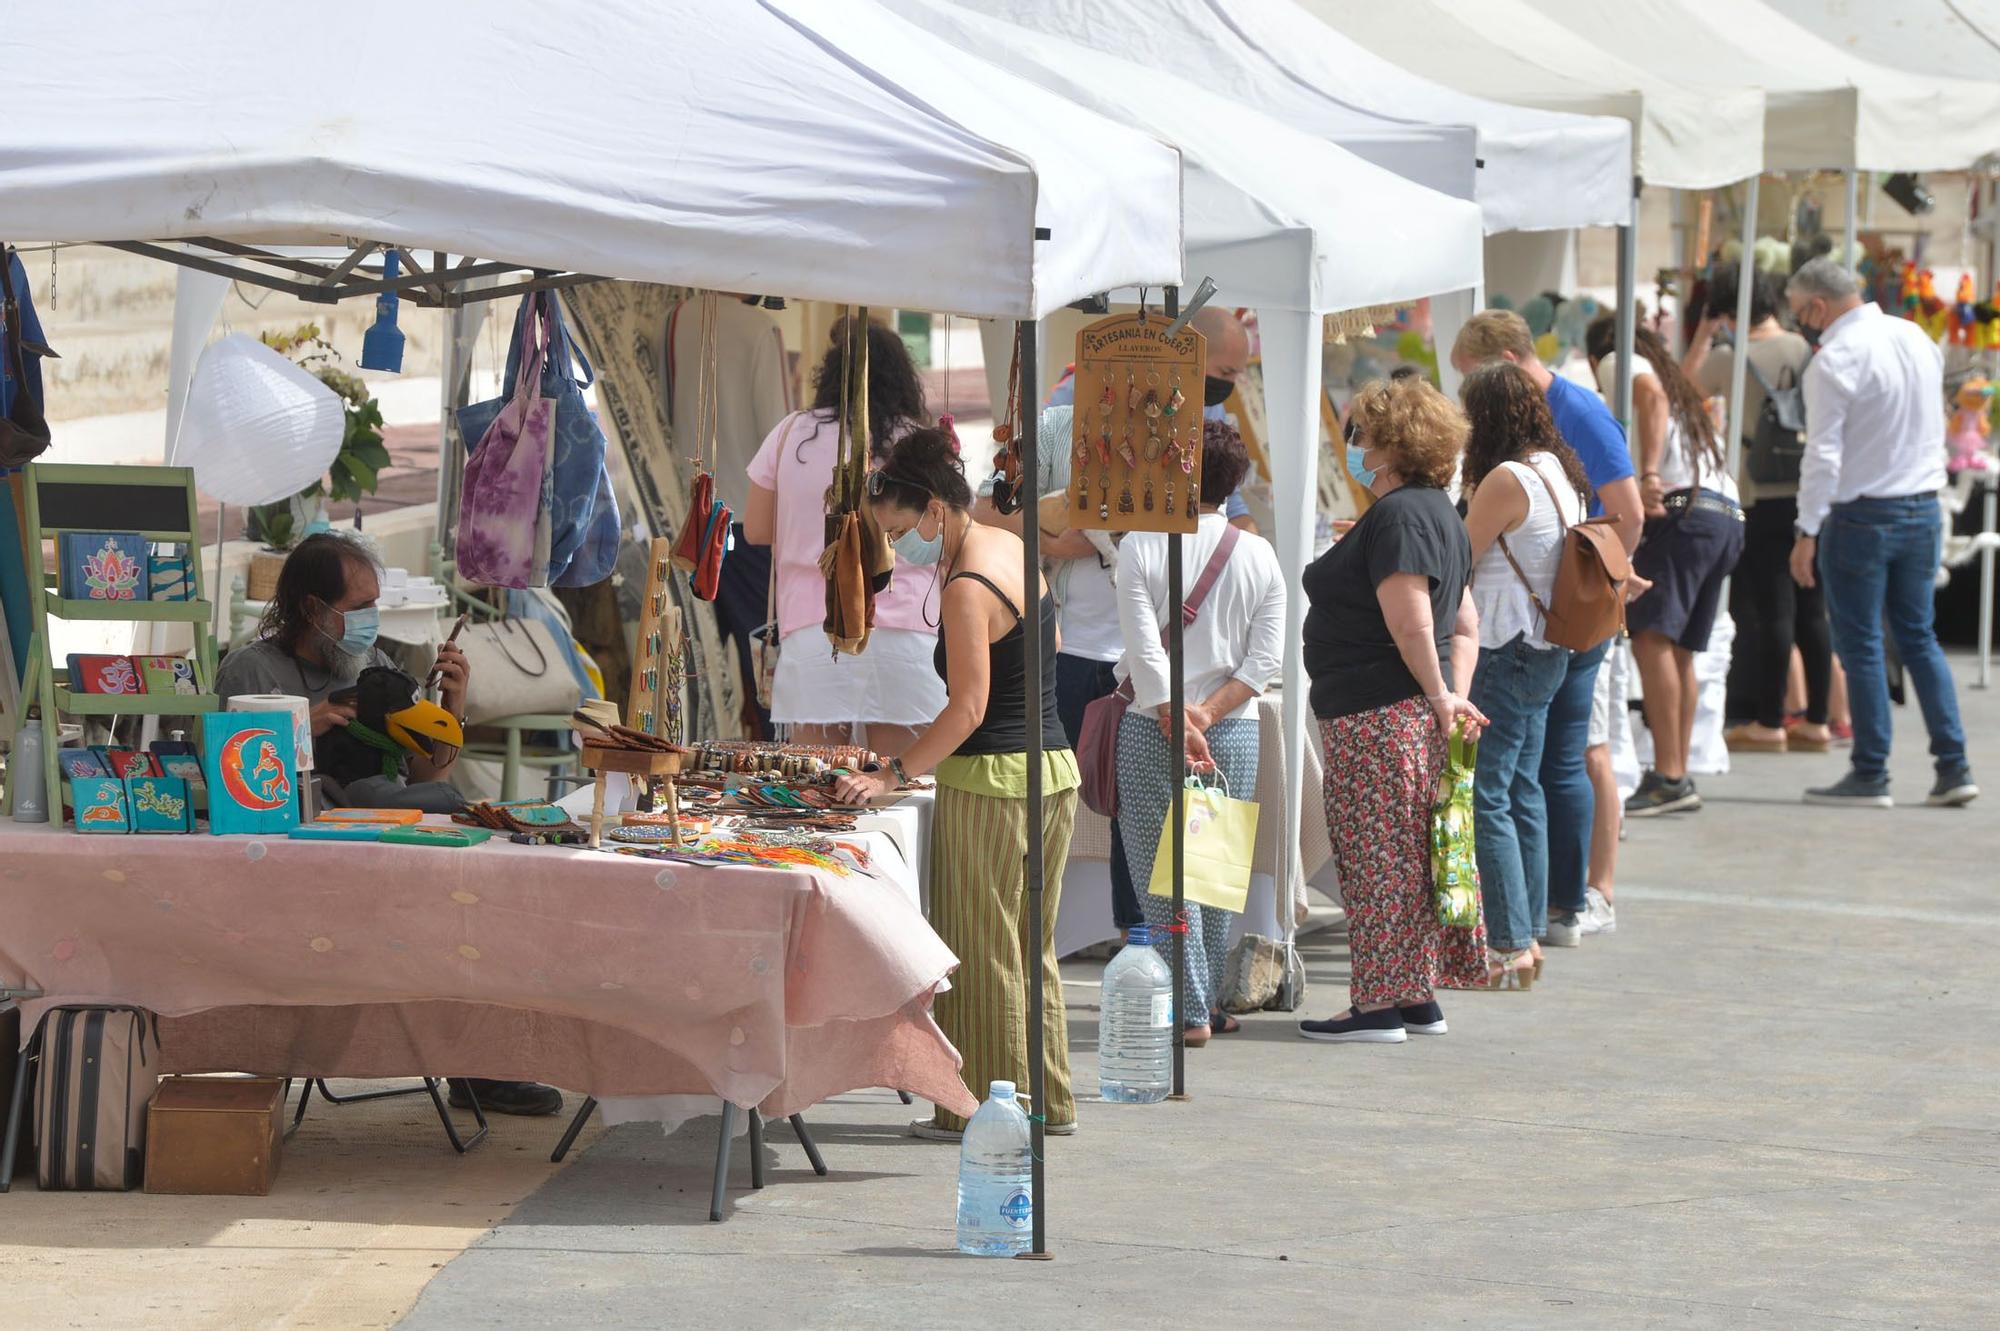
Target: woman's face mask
<point>1357,465</point>
<point>916,548</point>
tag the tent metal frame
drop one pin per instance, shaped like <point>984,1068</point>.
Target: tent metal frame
<point>443,285</point>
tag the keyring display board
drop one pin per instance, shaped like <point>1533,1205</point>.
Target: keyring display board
<point>1136,434</point>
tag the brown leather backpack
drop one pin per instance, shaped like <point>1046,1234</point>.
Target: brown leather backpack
<point>1587,605</point>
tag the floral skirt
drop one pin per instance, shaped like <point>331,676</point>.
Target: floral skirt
<point>1382,772</point>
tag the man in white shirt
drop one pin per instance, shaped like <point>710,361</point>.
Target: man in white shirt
<point>1869,522</point>
<point>753,392</point>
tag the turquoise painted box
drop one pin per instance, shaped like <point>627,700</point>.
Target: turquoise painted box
<point>159,804</point>
<point>100,803</point>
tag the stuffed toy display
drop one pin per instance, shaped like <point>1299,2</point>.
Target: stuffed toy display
<point>390,722</point>
<point>1969,428</point>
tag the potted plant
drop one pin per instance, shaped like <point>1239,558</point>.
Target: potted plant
<point>356,469</point>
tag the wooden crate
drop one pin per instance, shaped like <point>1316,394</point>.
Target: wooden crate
<point>215,1136</point>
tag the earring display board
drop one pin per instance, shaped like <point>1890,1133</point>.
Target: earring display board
<point>1136,434</point>
<point>660,656</point>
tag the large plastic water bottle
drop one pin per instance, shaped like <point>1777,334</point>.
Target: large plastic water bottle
<point>995,1189</point>
<point>1135,1042</point>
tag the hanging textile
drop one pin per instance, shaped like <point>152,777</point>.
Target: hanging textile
<point>621,324</point>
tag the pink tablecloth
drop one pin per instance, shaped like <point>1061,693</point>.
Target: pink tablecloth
<point>606,974</point>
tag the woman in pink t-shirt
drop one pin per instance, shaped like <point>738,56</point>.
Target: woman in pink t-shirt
<point>891,689</point>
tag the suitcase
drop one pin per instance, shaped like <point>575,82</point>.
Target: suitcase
<point>99,1067</point>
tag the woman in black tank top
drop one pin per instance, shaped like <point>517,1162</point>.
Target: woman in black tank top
<point>978,748</point>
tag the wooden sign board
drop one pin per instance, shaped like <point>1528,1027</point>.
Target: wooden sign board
<point>1136,435</point>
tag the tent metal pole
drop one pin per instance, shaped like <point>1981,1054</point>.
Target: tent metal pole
<point>448,471</point>
<point>1739,360</point>
<point>1031,642</point>
<point>1990,512</point>
<point>1852,181</point>
<point>1176,764</point>
<point>1628,296</point>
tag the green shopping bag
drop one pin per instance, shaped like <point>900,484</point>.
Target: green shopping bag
<point>1454,869</point>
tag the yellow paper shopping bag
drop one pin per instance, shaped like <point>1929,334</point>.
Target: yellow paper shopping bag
<point>1221,838</point>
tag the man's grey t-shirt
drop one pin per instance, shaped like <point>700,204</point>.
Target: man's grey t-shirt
<point>265,667</point>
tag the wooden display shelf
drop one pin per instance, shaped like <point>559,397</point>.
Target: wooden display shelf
<point>603,759</point>
<point>136,612</point>
<point>135,704</point>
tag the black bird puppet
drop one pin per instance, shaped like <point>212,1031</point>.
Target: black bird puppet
<point>390,721</point>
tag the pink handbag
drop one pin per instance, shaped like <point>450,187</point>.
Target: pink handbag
<point>503,506</point>
<point>1097,747</point>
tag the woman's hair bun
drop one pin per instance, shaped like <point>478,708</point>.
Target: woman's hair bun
<point>927,458</point>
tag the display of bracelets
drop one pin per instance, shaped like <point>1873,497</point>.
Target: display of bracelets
<point>800,820</point>
<point>790,761</point>
<point>525,821</point>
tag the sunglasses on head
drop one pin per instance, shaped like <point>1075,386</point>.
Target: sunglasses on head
<point>880,481</point>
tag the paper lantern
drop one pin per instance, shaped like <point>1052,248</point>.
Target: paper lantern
<point>257,428</point>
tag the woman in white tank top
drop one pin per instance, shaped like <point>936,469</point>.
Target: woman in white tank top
<point>1527,487</point>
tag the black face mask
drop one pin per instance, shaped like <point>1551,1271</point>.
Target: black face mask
<point>1215,392</point>
<point>1811,333</point>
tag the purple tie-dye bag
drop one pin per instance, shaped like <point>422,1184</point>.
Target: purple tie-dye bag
<point>504,477</point>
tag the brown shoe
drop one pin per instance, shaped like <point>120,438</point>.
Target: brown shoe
<point>1745,739</point>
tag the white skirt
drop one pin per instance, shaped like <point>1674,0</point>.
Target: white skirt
<point>893,683</point>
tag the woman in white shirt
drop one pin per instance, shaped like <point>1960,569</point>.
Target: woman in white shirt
<point>1693,534</point>
<point>1232,652</point>
<point>1527,488</point>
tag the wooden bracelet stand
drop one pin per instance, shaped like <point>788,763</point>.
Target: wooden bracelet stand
<point>633,762</point>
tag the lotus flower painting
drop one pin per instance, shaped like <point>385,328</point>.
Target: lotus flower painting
<point>104,566</point>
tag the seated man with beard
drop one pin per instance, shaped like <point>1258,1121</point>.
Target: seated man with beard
<point>316,639</point>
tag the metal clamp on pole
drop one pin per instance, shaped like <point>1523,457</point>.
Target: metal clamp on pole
<point>1203,293</point>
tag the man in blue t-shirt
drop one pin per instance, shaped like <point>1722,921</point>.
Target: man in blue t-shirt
<point>1577,781</point>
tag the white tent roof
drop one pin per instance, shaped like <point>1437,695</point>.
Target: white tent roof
<point>1956,38</point>
<point>838,154</point>
<point>1824,106</point>
<point>1279,218</point>
<point>1188,44</point>
<point>1538,170</point>
<point>1687,137</point>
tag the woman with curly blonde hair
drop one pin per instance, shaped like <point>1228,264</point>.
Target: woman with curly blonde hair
<point>1391,639</point>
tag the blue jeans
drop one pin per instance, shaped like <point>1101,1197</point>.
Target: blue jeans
<point>1878,558</point>
<point>1080,682</point>
<point>1514,686</point>
<point>1572,801</point>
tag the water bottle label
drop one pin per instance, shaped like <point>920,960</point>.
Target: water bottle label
<point>1019,1209</point>
<point>1163,1010</point>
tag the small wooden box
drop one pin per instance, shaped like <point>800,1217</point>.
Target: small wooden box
<point>215,1136</point>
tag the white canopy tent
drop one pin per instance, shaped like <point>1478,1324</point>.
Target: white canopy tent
<point>1190,45</point>
<point>823,151</point>
<point>1283,221</point>
<point>1684,137</point>
<point>1538,170</point>
<point>728,146</point>
<point>1958,39</point>
<point>1825,107</point>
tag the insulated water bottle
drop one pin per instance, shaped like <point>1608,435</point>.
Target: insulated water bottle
<point>1136,1040</point>
<point>995,1189</point>
<point>24,770</point>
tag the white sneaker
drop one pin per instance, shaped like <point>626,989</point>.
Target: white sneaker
<point>1599,916</point>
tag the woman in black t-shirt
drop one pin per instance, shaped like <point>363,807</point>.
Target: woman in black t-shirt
<point>1390,642</point>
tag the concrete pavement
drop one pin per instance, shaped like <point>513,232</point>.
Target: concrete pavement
<point>1768,1101</point>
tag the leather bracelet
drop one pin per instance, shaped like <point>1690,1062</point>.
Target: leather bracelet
<point>896,766</point>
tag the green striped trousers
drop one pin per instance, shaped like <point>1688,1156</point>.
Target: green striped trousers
<point>979,906</point>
